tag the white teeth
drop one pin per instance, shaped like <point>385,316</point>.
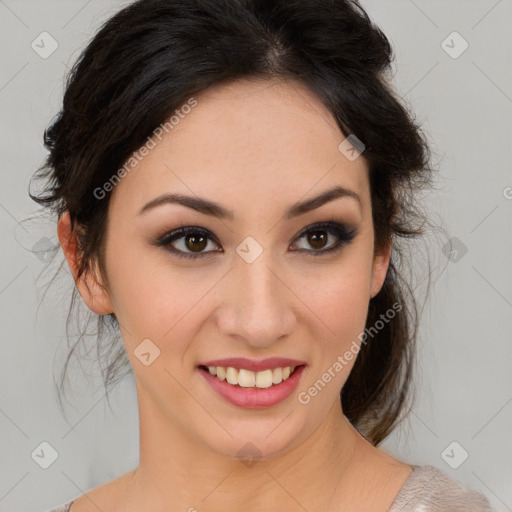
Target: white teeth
<point>264,379</point>
<point>277,375</point>
<point>249,379</point>
<point>232,376</point>
<point>246,378</point>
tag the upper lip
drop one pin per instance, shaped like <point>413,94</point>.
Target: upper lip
<point>251,364</point>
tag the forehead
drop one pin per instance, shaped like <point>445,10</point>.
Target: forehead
<point>249,140</point>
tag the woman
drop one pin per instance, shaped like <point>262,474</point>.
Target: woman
<point>231,179</point>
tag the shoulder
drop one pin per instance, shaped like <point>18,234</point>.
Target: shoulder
<point>429,488</point>
<point>63,508</point>
<point>105,496</point>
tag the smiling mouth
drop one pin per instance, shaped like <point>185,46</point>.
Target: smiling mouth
<point>243,378</point>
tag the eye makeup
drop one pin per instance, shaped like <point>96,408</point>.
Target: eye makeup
<point>201,237</point>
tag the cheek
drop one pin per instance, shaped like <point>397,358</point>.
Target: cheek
<point>154,299</point>
<point>341,298</point>
<point>151,303</point>
<point>342,306</point>
<point>341,301</point>
<point>144,301</point>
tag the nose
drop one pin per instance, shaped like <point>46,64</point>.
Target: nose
<point>258,306</point>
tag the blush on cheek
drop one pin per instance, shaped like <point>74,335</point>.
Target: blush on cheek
<point>343,309</point>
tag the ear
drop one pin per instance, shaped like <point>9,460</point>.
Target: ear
<point>380,268</point>
<point>93,293</point>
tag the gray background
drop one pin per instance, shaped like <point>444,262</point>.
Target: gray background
<point>464,379</point>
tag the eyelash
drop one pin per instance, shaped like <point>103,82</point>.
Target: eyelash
<point>342,232</point>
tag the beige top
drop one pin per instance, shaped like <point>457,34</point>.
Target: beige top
<point>426,490</point>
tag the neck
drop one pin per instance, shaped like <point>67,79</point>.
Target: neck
<point>178,470</point>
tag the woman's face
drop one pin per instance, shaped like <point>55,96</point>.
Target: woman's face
<point>257,286</point>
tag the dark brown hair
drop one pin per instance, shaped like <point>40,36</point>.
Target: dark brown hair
<point>153,55</point>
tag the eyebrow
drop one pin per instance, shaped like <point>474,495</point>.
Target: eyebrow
<point>208,207</point>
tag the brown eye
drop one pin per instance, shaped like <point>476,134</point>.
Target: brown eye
<point>317,239</point>
<point>192,241</point>
<point>195,243</point>
<point>188,242</point>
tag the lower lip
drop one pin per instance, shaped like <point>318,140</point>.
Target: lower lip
<point>254,398</point>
